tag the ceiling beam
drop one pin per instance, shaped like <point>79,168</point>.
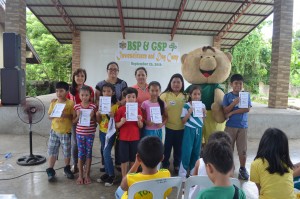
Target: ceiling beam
<point>240,11</point>
<point>253,28</point>
<point>145,8</point>
<point>121,17</point>
<point>177,19</point>
<point>235,1</point>
<point>144,18</point>
<point>64,15</point>
<point>162,28</point>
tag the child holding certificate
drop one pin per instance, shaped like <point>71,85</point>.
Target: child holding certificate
<point>61,114</point>
<point>128,119</point>
<point>236,105</point>
<point>84,116</point>
<point>192,116</point>
<point>154,112</point>
<point>107,108</point>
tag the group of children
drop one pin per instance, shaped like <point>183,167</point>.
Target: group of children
<point>217,162</point>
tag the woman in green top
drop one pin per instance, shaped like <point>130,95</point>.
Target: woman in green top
<point>174,97</point>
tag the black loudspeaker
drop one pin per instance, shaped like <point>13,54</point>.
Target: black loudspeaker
<point>13,89</point>
<point>11,50</point>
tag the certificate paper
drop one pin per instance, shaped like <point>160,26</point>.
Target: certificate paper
<point>244,99</point>
<point>104,104</point>
<point>155,115</point>
<point>57,110</point>
<point>132,111</point>
<point>197,109</point>
<point>85,117</point>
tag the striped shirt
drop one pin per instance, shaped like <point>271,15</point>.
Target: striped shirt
<point>193,122</point>
<point>83,130</point>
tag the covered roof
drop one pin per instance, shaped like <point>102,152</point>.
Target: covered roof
<point>230,20</point>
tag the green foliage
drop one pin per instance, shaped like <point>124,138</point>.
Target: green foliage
<point>252,59</point>
<point>295,60</point>
<point>56,58</point>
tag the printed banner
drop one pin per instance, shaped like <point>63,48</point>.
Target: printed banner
<point>148,53</point>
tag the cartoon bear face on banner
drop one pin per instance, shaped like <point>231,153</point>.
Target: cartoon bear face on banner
<point>206,65</point>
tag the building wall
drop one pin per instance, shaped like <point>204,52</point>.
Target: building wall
<point>99,48</point>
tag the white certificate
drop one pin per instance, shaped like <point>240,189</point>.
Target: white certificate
<point>197,108</point>
<point>58,110</point>
<point>105,104</point>
<point>244,99</point>
<point>132,111</point>
<point>85,117</point>
<point>155,115</point>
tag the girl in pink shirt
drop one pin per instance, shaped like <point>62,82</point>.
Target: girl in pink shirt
<point>152,114</point>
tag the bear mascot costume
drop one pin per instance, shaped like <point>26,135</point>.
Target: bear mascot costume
<point>208,67</point>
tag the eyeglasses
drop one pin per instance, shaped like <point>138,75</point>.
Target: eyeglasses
<point>113,70</point>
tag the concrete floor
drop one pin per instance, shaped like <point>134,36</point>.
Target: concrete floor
<point>35,185</point>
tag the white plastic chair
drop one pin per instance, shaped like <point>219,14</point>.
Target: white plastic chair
<point>204,182</point>
<point>157,187</point>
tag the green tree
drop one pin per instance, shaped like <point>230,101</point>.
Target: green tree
<point>295,60</point>
<point>56,58</point>
<point>252,59</point>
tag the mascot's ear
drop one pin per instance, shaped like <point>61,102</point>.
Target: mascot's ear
<point>228,54</point>
<point>183,58</point>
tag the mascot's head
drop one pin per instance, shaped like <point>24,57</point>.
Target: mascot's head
<point>206,65</point>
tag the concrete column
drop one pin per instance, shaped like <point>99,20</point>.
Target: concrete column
<point>76,51</point>
<point>217,42</point>
<point>15,21</point>
<point>281,53</point>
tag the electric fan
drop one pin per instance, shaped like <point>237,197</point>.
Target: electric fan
<point>31,112</point>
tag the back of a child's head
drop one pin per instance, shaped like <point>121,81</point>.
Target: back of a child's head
<point>62,85</point>
<point>219,153</point>
<point>218,135</point>
<point>130,90</point>
<point>150,150</point>
<point>274,147</point>
<point>236,77</point>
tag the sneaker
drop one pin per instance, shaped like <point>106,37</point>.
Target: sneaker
<point>68,172</point>
<point>51,174</point>
<point>243,174</point>
<point>103,178</point>
<point>110,181</point>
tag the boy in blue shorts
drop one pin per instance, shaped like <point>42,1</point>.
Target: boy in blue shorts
<point>60,133</point>
<point>237,121</point>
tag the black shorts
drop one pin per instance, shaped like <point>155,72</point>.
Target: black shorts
<point>127,150</point>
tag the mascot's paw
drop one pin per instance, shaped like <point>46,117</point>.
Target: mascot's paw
<point>217,113</point>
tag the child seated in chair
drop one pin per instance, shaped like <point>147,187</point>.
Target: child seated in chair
<point>218,159</point>
<point>149,154</point>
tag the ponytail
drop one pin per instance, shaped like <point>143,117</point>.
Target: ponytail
<point>161,105</point>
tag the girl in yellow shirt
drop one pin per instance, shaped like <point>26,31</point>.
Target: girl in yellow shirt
<point>174,98</point>
<point>272,169</point>
<point>107,90</point>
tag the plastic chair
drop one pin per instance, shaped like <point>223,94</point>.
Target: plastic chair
<point>204,182</point>
<point>157,187</point>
